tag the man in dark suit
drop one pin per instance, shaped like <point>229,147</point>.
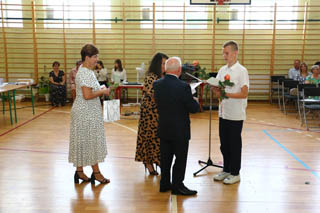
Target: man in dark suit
<point>175,102</point>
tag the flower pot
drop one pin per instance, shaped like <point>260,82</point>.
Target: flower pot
<point>47,96</point>
<point>43,90</point>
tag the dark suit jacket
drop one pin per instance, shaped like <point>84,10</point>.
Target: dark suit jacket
<point>175,102</point>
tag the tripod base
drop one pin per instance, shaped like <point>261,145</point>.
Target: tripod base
<point>208,163</point>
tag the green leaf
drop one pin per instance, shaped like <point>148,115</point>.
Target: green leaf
<point>113,88</point>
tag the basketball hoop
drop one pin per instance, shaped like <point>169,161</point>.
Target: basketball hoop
<point>220,2</point>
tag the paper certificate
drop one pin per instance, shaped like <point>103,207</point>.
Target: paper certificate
<point>213,81</point>
<point>194,86</point>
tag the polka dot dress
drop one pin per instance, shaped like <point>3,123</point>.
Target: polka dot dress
<point>87,139</point>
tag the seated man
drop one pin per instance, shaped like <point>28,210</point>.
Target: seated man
<point>295,70</point>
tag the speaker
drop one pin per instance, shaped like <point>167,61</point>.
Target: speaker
<point>49,13</point>
<point>234,14</point>
<point>145,13</point>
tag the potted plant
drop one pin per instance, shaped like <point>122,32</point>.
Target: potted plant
<point>44,87</point>
<point>200,72</point>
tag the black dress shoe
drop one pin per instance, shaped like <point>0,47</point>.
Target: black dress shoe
<point>165,188</point>
<point>183,191</point>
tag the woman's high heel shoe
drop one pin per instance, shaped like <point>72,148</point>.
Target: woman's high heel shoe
<point>93,178</point>
<point>77,177</point>
<point>153,172</point>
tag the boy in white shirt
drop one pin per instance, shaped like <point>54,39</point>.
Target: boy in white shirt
<point>232,113</point>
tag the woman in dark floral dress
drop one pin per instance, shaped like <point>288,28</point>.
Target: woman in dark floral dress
<point>58,91</point>
<point>148,144</point>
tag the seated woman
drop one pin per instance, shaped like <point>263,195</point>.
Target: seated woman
<point>101,73</point>
<point>314,78</point>
<point>118,73</point>
<point>302,76</point>
<point>57,86</point>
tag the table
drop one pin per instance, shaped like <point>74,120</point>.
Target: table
<point>118,91</point>
<point>12,88</point>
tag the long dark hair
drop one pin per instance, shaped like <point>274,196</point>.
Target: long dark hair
<point>100,63</point>
<point>155,64</point>
<point>118,61</point>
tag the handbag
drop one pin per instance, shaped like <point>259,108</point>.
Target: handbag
<point>111,110</point>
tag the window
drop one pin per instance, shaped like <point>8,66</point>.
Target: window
<point>260,15</point>
<point>170,17</point>
<point>77,14</point>
<point>12,13</point>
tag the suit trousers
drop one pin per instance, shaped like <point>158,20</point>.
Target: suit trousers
<point>231,145</point>
<point>168,149</point>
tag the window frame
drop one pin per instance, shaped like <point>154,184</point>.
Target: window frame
<point>260,22</point>
<point>167,8</point>
<point>77,18</point>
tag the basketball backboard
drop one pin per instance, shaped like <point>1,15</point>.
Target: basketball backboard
<point>213,2</point>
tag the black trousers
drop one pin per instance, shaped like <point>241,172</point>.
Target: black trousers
<point>168,149</point>
<point>231,145</point>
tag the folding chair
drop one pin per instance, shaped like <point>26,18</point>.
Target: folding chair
<point>280,91</point>
<point>300,97</point>
<point>287,85</point>
<point>274,85</point>
<point>311,103</point>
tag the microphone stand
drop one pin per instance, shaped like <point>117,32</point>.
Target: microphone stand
<point>209,161</point>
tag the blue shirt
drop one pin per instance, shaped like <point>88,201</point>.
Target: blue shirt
<point>293,73</point>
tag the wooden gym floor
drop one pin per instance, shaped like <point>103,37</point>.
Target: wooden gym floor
<point>280,167</point>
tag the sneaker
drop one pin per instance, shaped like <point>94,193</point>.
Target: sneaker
<point>231,179</point>
<point>221,176</point>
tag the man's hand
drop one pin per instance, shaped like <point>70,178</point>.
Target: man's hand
<point>196,99</point>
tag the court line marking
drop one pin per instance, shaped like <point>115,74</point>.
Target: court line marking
<point>135,131</point>
<point>52,152</point>
<point>263,123</point>
<point>24,123</point>
<point>174,204</point>
<point>293,155</point>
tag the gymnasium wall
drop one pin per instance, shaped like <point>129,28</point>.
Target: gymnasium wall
<point>31,43</point>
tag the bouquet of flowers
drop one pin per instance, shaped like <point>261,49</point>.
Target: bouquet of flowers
<point>113,88</point>
<point>221,84</point>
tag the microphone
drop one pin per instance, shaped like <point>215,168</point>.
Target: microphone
<point>188,67</point>
<point>194,77</point>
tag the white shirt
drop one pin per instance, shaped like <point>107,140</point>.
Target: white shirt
<point>234,108</point>
<point>102,75</point>
<point>172,75</point>
<point>117,76</point>
<point>293,73</point>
